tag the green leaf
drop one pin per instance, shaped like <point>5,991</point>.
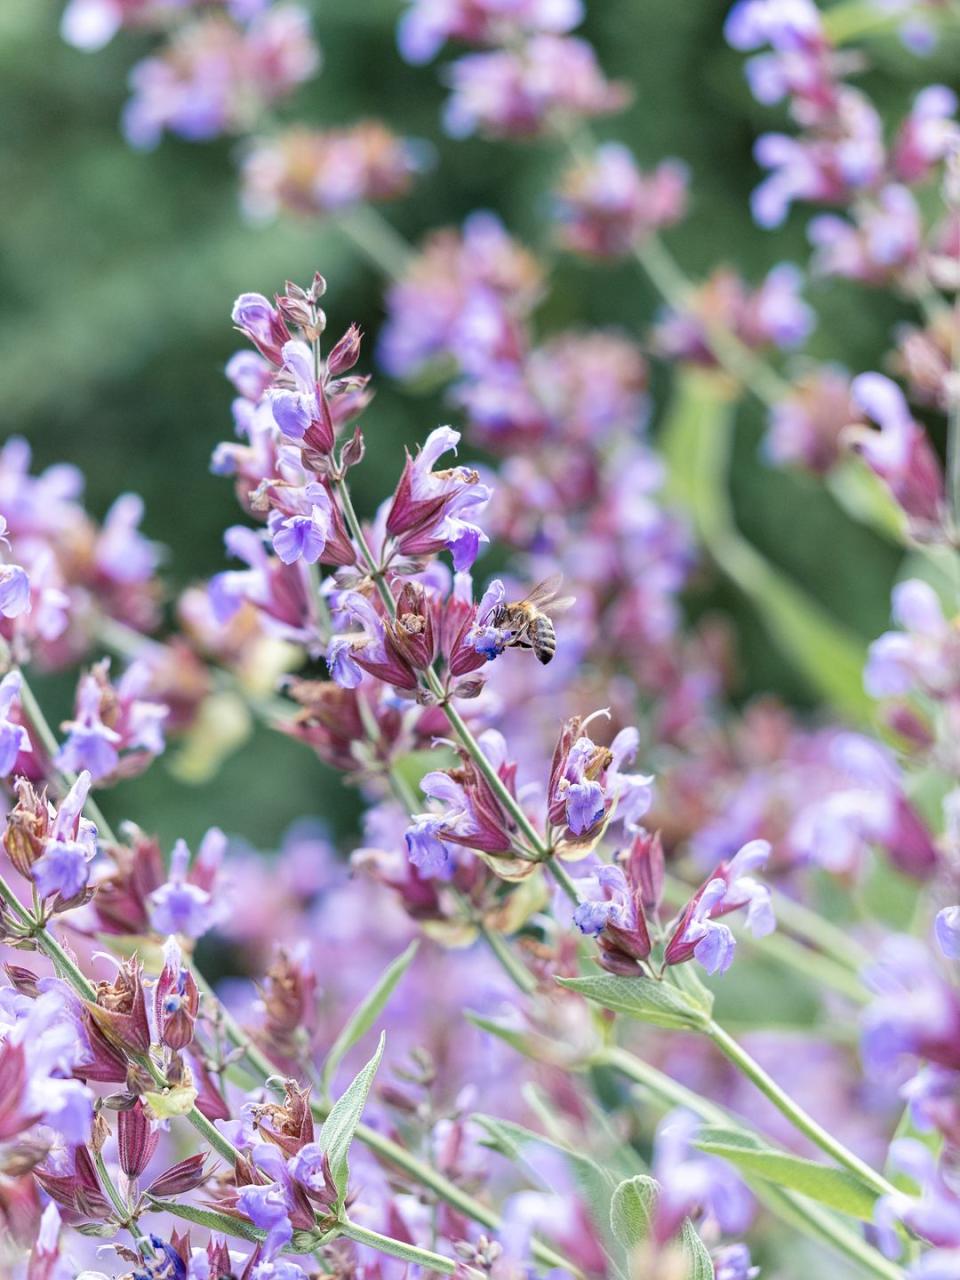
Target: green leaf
<point>698,1260</point>
<point>696,440</point>
<point>642,998</point>
<point>838,1188</point>
<point>631,1210</point>
<point>366,1013</point>
<point>865,498</point>
<point>338,1128</point>
<point>223,1223</point>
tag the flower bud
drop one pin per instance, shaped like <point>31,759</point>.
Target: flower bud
<point>352,452</point>
<point>176,1000</point>
<point>345,353</point>
<point>180,1178</point>
<point>137,1138</point>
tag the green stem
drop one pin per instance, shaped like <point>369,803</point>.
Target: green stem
<point>397,1248</point>
<point>735,357</point>
<point>388,1150</point>
<point>456,721</point>
<point>378,241</point>
<point>518,973</point>
<point>800,1120</point>
<point>84,988</point>
<point>809,1217</point>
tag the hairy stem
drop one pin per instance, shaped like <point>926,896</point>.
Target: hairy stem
<point>425,1258</point>
<point>815,1221</point>
<point>799,1118</point>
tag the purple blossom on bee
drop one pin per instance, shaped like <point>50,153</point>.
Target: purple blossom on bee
<point>64,866</point>
<point>181,905</point>
<point>14,737</point>
<point>488,640</point>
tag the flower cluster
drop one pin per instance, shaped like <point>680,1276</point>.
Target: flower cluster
<point>522,842</point>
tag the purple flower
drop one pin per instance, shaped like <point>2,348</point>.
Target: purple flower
<point>14,737</point>
<point>14,591</point>
<point>294,411</point>
<point>732,1262</point>
<point>40,1046</point>
<point>90,744</point>
<point>947,926</point>
<point>267,1207</point>
<point>689,1181</point>
<point>182,907</point>
<point>425,849</point>
<point>63,867</point>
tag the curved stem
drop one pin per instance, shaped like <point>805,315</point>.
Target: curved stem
<point>800,1120</point>
<point>734,356</point>
<point>425,1258</point>
<point>814,1221</point>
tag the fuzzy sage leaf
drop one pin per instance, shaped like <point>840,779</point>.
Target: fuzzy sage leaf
<point>365,1014</point>
<point>646,1000</point>
<point>631,1210</point>
<point>339,1127</point>
<point>838,1188</point>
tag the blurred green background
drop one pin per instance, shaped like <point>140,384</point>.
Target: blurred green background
<point>118,269</point>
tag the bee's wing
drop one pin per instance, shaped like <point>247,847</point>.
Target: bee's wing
<point>560,606</point>
<point>544,592</point>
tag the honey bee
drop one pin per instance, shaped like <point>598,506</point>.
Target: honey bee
<point>529,620</point>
